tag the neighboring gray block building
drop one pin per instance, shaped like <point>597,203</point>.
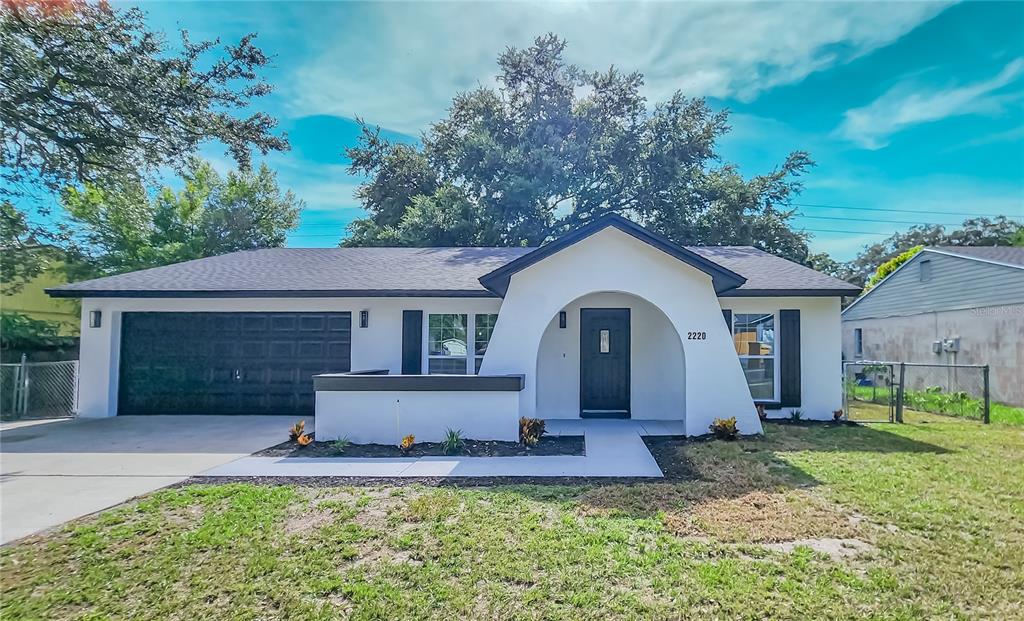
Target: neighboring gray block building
<point>974,294</point>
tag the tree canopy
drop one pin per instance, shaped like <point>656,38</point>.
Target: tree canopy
<point>118,230</point>
<point>88,93</point>
<point>21,260</point>
<point>999,231</point>
<point>891,266</point>
<point>553,147</point>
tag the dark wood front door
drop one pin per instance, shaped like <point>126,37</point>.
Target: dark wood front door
<point>604,362</point>
<point>228,363</point>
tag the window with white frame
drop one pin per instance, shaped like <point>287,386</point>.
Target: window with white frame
<point>483,327</point>
<point>447,351</point>
<point>858,342</point>
<point>753,335</point>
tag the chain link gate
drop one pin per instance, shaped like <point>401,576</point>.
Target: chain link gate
<point>869,392</point>
<point>885,391</point>
<point>38,389</point>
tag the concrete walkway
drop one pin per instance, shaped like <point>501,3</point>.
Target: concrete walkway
<point>614,448</point>
<point>55,471</point>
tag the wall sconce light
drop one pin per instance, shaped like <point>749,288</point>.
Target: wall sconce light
<point>561,319</point>
<point>364,318</point>
<point>95,318</point>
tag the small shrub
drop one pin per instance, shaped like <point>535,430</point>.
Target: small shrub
<point>837,415</point>
<point>297,430</point>
<point>453,442</point>
<point>795,416</point>
<point>530,430</point>
<point>340,445</point>
<point>725,428</point>
<point>304,440</point>
<point>407,443</point>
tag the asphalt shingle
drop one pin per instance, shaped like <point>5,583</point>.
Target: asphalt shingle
<point>396,271</point>
<point>1011,255</point>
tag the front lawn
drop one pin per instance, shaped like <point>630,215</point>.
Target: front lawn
<point>924,520</point>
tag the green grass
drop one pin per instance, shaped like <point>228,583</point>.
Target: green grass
<point>959,404</point>
<point>939,507</point>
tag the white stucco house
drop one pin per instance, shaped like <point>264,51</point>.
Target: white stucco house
<point>608,321</point>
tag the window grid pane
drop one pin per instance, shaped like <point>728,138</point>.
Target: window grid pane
<point>447,335</point>
<point>484,327</point>
<point>447,344</point>
<point>754,341</point>
<point>754,334</point>
<point>760,374</point>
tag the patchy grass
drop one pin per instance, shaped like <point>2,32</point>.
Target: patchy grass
<point>923,520</point>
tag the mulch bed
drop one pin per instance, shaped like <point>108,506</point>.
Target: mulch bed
<point>547,446</point>
<point>671,460</point>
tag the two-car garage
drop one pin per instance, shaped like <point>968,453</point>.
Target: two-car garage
<point>228,362</point>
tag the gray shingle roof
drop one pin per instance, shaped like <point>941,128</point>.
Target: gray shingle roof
<point>402,271</point>
<point>1009,255</point>
<point>314,271</point>
<point>772,275</point>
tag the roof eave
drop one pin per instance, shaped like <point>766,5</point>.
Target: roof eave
<point>263,293</point>
<point>796,292</point>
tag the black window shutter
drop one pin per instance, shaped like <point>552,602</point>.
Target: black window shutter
<point>789,358</point>
<point>412,342</point>
<point>728,318</point>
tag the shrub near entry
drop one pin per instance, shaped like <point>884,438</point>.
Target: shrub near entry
<point>530,430</point>
<point>725,428</point>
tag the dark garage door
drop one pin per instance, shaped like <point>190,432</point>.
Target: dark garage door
<point>228,363</point>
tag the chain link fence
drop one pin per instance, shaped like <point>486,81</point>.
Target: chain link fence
<point>38,390</point>
<point>887,391</point>
<point>869,392</point>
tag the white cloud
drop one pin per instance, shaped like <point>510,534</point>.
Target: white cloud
<point>908,104</point>
<point>399,64</point>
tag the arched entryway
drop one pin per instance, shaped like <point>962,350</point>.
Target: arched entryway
<point>655,361</point>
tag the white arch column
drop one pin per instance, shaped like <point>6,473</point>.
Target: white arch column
<point>611,260</point>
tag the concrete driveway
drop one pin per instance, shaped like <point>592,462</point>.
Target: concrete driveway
<point>55,471</point>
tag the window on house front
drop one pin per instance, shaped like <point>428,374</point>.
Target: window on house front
<point>446,345</point>
<point>858,342</point>
<point>753,335</point>
<point>483,327</point>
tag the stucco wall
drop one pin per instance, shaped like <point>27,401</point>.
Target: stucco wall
<point>613,261</point>
<point>378,346</point>
<point>991,335</point>
<point>657,376</point>
<point>384,417</point>
<point>820,349</point>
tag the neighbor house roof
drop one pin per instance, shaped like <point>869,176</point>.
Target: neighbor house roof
<point>1004,255</point>
<point>426,272</point>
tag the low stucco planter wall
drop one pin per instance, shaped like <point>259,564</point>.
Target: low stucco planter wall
<point>382,409</point>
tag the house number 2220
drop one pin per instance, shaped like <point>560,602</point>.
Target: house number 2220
<point>696,336</point>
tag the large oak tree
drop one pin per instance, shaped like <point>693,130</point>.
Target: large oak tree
<point>89,94</point>
<point>554,146</point>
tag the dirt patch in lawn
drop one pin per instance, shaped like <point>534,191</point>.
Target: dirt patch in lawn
<point>702,509</point>
<point>760,517</point>
<point>835,548</point>
<point>551,445</point>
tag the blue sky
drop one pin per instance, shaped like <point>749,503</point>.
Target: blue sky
<point>914,111</point>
